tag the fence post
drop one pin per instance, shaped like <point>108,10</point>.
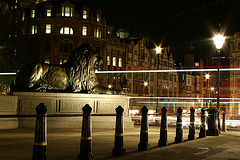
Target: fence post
<point>212,122</point>
<point>224,126</point>
<point>179,129</point>
<point>191,135</point>
<point>163,141</point>
<point>119,149</point>
<point>40,138</point>
<point>143,145</point>
<point>202,132</point>
<point>86,137</point>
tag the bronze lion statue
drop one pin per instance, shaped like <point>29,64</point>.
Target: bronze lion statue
<point>76,75</point>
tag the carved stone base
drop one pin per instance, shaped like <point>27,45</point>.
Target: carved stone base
<point>72,103</point>
<point>8,106</point>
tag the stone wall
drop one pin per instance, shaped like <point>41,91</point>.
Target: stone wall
<point>72,103</point>
<point>8,106</point>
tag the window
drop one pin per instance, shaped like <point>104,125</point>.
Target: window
<point>67,11</point>
<point>84,14</point>
<point>23,16</point>
<point>108,60</point>
<point>98,33</point>
<point>49,12</point>
<point>66,30</point>
<point>120,62</point>
<point>84,30</point>
<point>98,17</point>
<point>47,61</point>
<point>63,61</point>
<point>33,13</point>
<point>48,28</point>
<point>114,62</point>
<point>34,29</point>
<point>66,47</point>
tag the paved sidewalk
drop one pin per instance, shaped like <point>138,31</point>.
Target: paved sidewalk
<point>64,144</point>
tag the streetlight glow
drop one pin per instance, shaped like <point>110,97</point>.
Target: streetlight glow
<point>109,86</point>
<point>212,88</point>
<point>219,40</point>
<point>207,76</point>
<point>145,83</point>
<point>158,50</point>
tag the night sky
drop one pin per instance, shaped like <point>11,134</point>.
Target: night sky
<point>176,23</point>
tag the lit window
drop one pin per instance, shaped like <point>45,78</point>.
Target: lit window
<point>34,29</point>
<point>98,33</point>
<point>23,16</point>
<point>98,17</point>
<point>196,64</point>
<point>49,12</point>
<point>67,11</point>
<point>63,61</point>
<point>47,61</point>
<point>120,62</point>
<point>108,60</point>
<point>66,30</point>
<point>33,13</point>
<point>84,14</point>
<point>48,28</point>
<point>84,30</point>
<point>114,61</point>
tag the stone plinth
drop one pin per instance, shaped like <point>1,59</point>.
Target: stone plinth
<point>72,103</point>
<point>8,106</point>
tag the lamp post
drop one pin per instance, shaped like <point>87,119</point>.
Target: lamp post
<point>218,40</point>
<point>158,51</point>
<point>145,85</point>
<point>207,78</point>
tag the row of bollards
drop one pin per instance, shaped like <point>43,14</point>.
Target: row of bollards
<point>40,138</point>
<point>163,141</point>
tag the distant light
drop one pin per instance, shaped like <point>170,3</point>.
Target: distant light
<point>219,40</point>
<point>207,76</point>
<point>212,88</point>
<point>145,83</point>
<point>158,50</point>
<point>109,86</point>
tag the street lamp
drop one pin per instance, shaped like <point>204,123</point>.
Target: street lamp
<point>218,40</point>
<point>207,76</point>
<point>158,52</point>
<point>109,86</point>
<point>145,84</point>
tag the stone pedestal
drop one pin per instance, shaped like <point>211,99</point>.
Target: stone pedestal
<point>8,106</point>
<point>72,103</point>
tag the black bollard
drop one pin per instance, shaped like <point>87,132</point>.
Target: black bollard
<point>212,122</point>
<point>163,141</point>
<point>179,128</point>
<point>119,149</point>
<point>224,126</point>
<point>86,137</point>
<point>202,132</point>
<point>40,138</point>
<point>143,145</point>
<point>191,135</point>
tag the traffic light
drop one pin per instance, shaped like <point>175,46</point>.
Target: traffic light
<point>209,100</point>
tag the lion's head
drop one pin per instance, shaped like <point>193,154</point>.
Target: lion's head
<point>82,63</point>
